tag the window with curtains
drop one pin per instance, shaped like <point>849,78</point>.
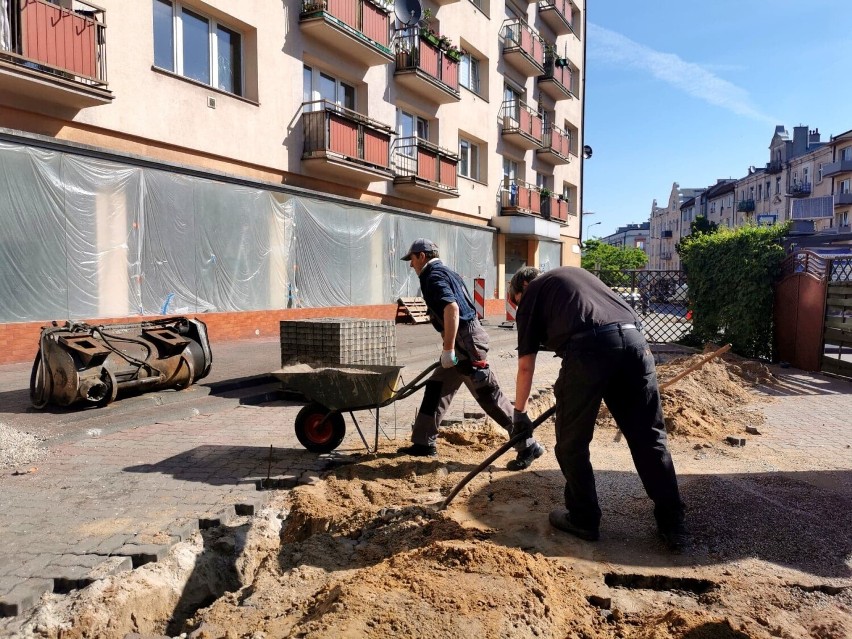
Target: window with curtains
<point>469,73</point>
<point>468,165</point>
<point>197,47</point>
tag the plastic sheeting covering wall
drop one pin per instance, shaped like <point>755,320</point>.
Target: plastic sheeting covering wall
<point>549,255</point>
<point>82,237</point>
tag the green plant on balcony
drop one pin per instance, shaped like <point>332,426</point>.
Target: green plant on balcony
<point>426,31</point>
<point>545,192</point>
<point>455,53</point>
<point>311,6</point>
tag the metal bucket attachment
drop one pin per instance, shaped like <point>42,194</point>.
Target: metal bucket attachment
<point>341,387</point>
<point>92,364</point>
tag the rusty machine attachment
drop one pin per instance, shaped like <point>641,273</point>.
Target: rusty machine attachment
<point>83,363</point>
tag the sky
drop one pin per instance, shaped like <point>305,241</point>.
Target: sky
<point>691,92</point>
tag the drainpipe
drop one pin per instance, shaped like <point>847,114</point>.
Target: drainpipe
<point>582,197</point>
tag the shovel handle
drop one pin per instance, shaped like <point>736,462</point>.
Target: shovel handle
<point>496,454</point>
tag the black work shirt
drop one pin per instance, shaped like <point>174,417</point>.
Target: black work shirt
<point>563,302</point>
<point>440,286</point>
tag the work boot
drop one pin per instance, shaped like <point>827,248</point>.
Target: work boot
<point>419,450</point>
<point>675,538</point>
<point>561,519</point>
<point>526,457</point>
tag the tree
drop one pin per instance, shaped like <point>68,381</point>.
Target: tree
<point>702,226</point>
<point>611,261</point>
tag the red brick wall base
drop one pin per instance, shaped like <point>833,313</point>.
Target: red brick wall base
<point>19,342</point>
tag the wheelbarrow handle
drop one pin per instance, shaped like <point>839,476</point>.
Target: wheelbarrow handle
<point>496,454</point>
<point>414,385</point>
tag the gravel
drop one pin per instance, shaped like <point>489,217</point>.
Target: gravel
<point>18,449</point>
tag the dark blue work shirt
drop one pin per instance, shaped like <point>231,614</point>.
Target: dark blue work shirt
<point>440,286</point>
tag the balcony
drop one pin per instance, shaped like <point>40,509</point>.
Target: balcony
<point>802,189</point>
<point>425,69</point>
<point>54,55</point>
<point>556,146</point>
<point>842,199</point>
<point>423,168</point>
<point>523,48</point>
<point>554,209</point>
<point>666,257</point>
<point>557,14</point>
<point>522,126</point>
<point>356,29</point>
<point>558,79</point>
<point>774,167</point>
<point>834,168</point>
<point>745,206</point>
<point>520,198</point>
<point>342,144</point>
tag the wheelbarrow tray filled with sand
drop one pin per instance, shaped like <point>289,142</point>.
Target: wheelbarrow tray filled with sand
<point>332,390</point>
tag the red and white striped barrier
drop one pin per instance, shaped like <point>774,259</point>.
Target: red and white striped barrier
<point>511,309</point>
<point>479,297</point>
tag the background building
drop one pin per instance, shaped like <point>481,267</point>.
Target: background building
<point>629,236</point>
<point>234,157</point>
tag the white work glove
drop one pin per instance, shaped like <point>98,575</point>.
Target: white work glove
<point>448,358</point>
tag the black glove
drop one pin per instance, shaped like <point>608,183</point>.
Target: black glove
<point>521,423</point>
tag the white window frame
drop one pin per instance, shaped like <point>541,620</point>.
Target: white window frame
<point>469,155</point>
<point>178,9</point>
<point>311,92</point>
<point>469,66</point>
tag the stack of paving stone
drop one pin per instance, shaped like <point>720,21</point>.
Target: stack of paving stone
<point>338,340</point>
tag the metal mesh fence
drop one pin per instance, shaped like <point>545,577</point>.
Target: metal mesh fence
<point>660,298</point>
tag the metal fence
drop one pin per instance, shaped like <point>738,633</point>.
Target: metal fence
<point>660,298</point>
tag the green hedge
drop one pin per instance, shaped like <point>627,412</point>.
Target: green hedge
<point>730,275</point>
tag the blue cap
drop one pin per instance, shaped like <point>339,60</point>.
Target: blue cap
<point>420,245</point>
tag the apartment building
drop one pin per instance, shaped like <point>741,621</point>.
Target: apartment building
<point>667,228</point>
<point>629,236</point>
<point>185,156</point>
<point>839,172</point>
<point>719,202</point>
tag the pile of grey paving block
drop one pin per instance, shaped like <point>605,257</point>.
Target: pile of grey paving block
<point>338,340</point>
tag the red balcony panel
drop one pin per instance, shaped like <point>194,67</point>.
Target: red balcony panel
<point>427,165</point>
<point>536,127</point>
<point>429,58</point>
<point>449,173</point>
<point>345,11</point>
<point>376,25</point>
<point>524,120</point>
<point>56,37</point>
<point>376,147</point>
<point>343,136</point>
<point>450,75</point>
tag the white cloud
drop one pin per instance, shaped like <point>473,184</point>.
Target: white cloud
<point>693,79</point>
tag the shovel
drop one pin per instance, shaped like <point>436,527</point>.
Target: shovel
<point>547,415</point>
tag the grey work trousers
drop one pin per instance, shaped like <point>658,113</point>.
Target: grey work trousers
<point>471,346</point>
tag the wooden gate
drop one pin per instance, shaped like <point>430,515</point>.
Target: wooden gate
<point>813,313</point>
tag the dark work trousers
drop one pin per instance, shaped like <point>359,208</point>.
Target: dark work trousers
<point>471,346</point>
<point>617,367</point>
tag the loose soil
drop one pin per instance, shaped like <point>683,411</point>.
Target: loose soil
<point>364,552</point>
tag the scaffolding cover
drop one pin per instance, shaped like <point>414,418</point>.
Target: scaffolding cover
<point>85,238</point>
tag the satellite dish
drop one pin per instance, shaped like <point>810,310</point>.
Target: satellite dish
<point>587,152</point>
<point>408,12</point>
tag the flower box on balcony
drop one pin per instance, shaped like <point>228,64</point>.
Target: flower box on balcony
<point>454,55</point>
<point>430,36</point>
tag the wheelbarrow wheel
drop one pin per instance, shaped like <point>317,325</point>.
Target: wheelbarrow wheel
<point>317,434</point>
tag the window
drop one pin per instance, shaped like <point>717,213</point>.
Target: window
<point>846,154</point>
<point>768,189</point>
<point>510,170</point>
<point>843,187</point>
<point>805,175</point>
<point>759,191</point>
<point>778,185</point>
<point>468,159</point>
<point>321,86</point>
<point>469,73</point>
<point>819,172</point>
<point>410,126</point>
<point>197,47</point>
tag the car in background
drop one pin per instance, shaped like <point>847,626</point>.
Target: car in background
<point>633,297</point>
<point>680,294</point>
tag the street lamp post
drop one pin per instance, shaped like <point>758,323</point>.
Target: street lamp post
<point>586,234</point>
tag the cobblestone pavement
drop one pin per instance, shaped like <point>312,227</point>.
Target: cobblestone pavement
<point>109,500</point>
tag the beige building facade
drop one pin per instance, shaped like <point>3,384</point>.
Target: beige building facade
<point>461,113</point>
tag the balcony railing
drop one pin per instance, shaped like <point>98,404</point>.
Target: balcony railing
<point>800,189</point>
<point>774,167</point>
<point>52,40</point>
<point>745,206</point>
<point>331,130</point>
<point>415,55</point>
<point>361,21</point>
<point>557,81</point>
<point>833,168</point>
<point>520,197</point>
<point>557,14</point>
<point>523,47</point>
<point>556,146</point>
<point>554,208</point>
<point>421,162</point>
<point>522,124</point>
<point>842,199</point>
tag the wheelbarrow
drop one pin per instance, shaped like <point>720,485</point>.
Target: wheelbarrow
<point>334,390</point>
